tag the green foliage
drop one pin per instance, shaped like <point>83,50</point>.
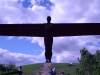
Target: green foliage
<point>89,64</point>
<point>7,69</point>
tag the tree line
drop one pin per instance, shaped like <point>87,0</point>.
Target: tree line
<point>8,69</point>
<point>89,64</point>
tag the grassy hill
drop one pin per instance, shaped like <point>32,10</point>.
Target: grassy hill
<point>35,68</point>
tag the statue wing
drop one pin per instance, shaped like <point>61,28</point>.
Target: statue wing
<point>60,29</point>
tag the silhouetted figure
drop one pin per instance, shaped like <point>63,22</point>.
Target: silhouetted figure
<point>48,40</point>
<point>20,70</point>
<point>53,72</point>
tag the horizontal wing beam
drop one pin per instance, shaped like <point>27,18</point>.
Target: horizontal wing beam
<point>60,29</point>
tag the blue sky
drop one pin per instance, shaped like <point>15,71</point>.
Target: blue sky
<point>27,50</point>
<point>19,45</point>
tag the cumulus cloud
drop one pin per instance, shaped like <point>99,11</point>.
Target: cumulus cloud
<point>36,11</point>
<point>76,11</point>
<point>71,46</point>
<point>6,56</point>
<point>64,57</point>
<point>12,11</point>
<point>67,49</point>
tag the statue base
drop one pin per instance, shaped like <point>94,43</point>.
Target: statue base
<point>46,68</point>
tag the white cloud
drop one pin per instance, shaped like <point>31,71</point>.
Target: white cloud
<point>10,37</point>
<point>67,11</point>
<point>68,47</point>
<point>76,11</point>
<point>12,12</point>
<point>6,56</point>
<point>64,57</point>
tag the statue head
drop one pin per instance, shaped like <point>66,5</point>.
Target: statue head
<point>48,19</point>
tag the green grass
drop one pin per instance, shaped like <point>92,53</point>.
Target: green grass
<point>35,68</point>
